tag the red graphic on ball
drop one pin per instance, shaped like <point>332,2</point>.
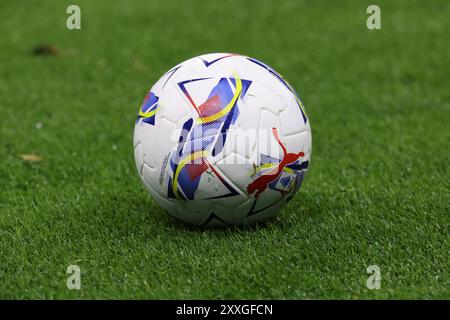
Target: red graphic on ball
<point>260,184</point>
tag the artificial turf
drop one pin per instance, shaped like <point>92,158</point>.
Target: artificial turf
<point>377,191</point>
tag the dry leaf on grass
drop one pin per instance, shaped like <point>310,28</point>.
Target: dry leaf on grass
<point>31,157</point>
<point>139,66</point>
<point>45,50</point>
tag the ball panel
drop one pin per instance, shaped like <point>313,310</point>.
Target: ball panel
<point>238,170</point>
<point>158,138</point>
<point>138,157</point>
<point>292,119</point>
<point>147,177</point>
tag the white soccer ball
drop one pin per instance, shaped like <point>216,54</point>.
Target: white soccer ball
<point>222,139</point>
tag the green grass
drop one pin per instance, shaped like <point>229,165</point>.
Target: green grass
<point>377,191</point>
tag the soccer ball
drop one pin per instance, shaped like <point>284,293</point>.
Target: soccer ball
<point>222,139</point>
